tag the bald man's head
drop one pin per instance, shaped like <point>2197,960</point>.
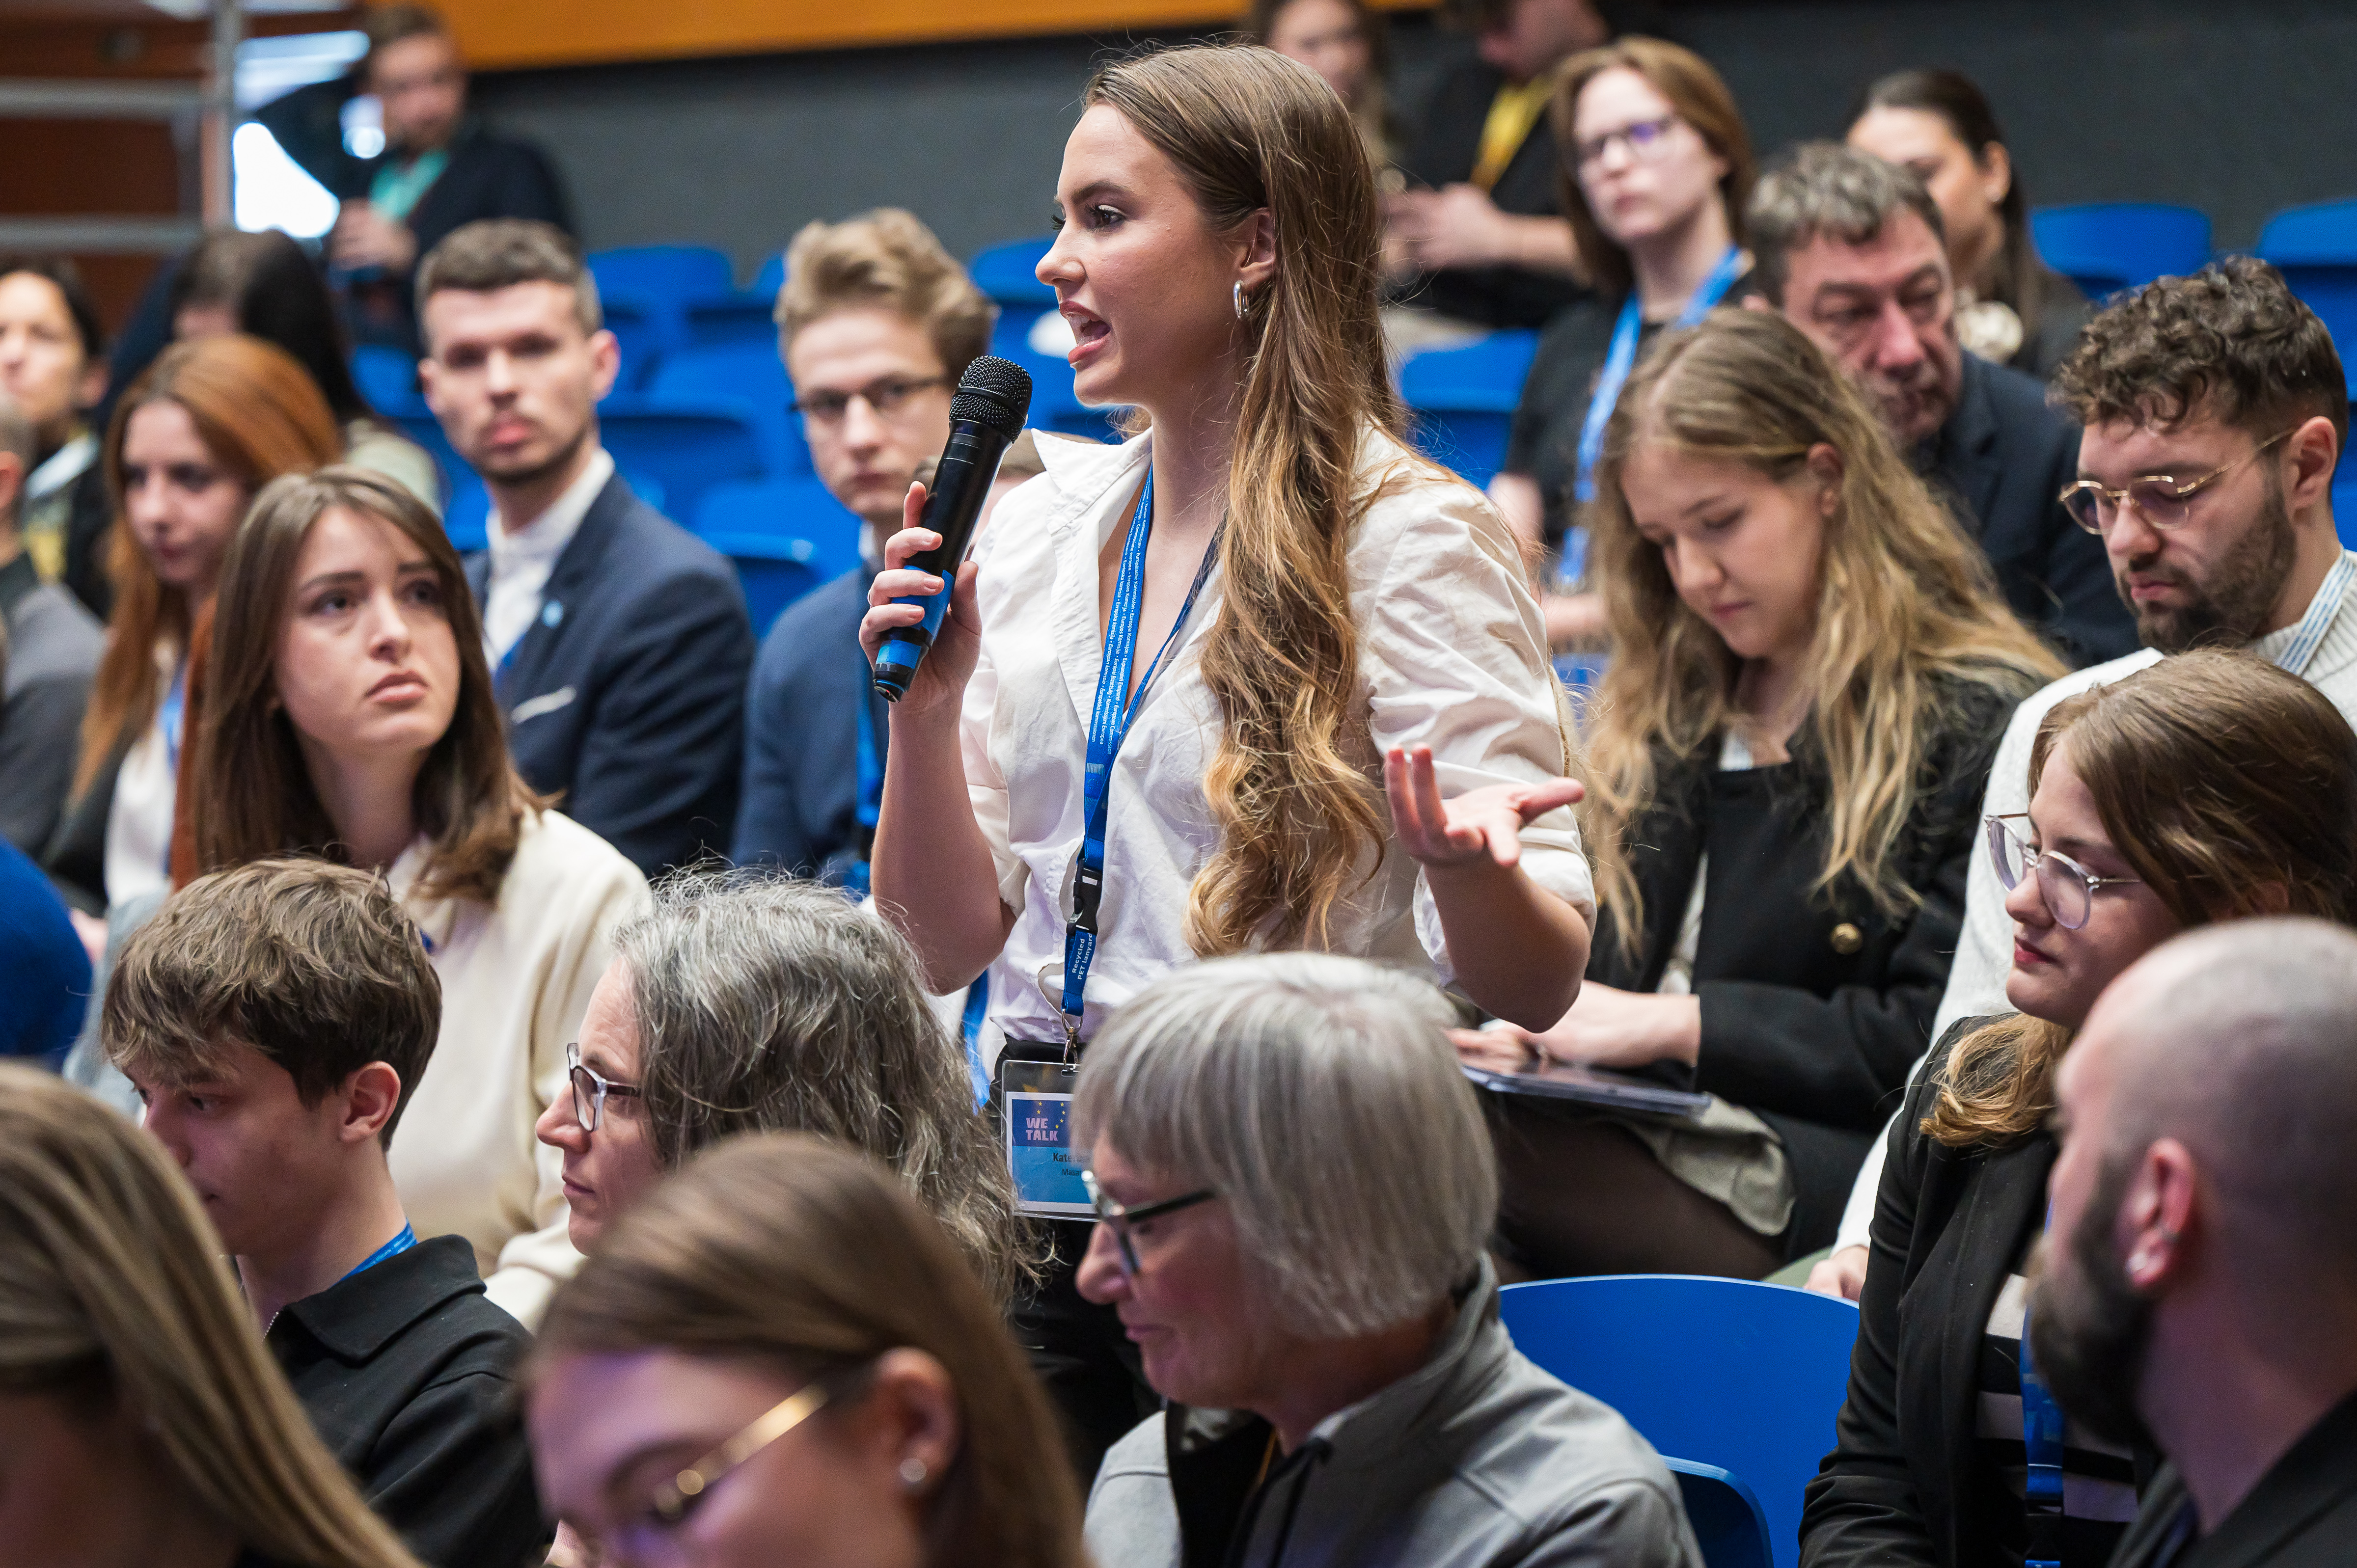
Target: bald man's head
<point>2240,1041</point>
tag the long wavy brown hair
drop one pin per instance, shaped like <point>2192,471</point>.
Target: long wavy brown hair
<point>1300,817</point>
<point>2229,788</point>
<point>790,1249</point>
<point>260,416</point>
<point>253,794</point>
<point>114,1289</point>
<point>1906,614</point>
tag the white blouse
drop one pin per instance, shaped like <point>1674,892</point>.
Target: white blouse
<point>515,981</point>
<point>1452,654</point>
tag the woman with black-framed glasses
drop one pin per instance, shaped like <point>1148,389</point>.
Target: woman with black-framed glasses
<point>780,1357</point>
<point>2209,786</point>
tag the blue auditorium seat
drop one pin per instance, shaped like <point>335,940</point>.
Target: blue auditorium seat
<point>773,572</point>
<point>729,321</point>
<point>646,290</point>
<point>798,510</point>
<point>771,277</point>
<point>752,372</point>
<point>686,445</point>
<point>1464,401</point>
<point>1729,1524</point>
<point>1746,1378</point>
<point>387,377</point>
<point>2106,246</point>
<point>1008,274</point>
<point>2315,248</point>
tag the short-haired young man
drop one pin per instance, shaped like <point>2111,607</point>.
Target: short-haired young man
<point>274,1019</point>
<point>2231,388</point>
<point>53,368</point>
<point>1850,249</point>
<point>2197,1291</point>
<point>619,641</point>
<point>440,170</point>
<point>47,655</point>
<point>876,323</point>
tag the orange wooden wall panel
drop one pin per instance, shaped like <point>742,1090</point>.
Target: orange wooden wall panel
<point>499,33</point>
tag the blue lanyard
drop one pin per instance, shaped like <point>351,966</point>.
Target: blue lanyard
<point>977,1011</point>
<point>2041,1440</point>
<point>2322,611</point>
<point>393,1249</point>
<point>171,719</point>
<point>1623,359</point>
<point>1109,723</point>
<point>855,879</point>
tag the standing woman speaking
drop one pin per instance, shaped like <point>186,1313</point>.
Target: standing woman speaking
<point>1209,640</point>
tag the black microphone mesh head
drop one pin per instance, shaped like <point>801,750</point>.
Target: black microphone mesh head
<point>994,392</point>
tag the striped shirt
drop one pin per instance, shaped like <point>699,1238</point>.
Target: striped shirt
<point>2098,1499</point>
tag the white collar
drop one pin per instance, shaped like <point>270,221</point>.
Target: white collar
<point>65,465</point>
<point>545,537</point>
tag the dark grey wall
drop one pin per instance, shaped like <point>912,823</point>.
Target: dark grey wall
<point>2236,106</point>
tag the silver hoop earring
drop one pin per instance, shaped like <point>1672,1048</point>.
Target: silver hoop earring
<point>1241,303</point>
<point>912,1472</point>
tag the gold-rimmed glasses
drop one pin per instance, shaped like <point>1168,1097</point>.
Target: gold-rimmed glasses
<point>2163,500</point>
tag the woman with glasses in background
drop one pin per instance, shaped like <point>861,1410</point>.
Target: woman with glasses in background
<point>2011,307</point>
<point>2209,786</point>
<point>1661,168</point>
<point>780,1357</point>
<point>350,714</point>
<point>750,1002</point>
<point>1295,1188</point>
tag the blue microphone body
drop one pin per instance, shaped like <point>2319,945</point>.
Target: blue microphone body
<point>986,415</point>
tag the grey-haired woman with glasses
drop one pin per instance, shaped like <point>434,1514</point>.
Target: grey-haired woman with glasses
<point>781,1356</point>
<point>1294,1188</point>
<point>2209,786</point>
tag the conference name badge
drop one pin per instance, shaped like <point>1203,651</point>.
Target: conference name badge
<point>1036,1117</point>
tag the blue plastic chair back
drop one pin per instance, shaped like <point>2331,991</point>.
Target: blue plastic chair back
<point>645,328</point>
<point>752,373</point>
<point>771,277</point>
<point>774,572</point>
<point>2315,248</point>
<point>686,447</point>
<point>387,377</point>
<point>678,272</point>
<point>2106,246</point>
<point>798,510</point>
<point>730,320</point>
<point>1728,1522</point>
<point>1729,1373</point>
<point>1007,273</point>
<point>1464,399</point>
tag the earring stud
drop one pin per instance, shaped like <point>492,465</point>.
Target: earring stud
<point>912,1472</point>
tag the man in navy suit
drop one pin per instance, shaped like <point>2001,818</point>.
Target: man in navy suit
<point>876,323</point>
<point>619,641</point>
<point>1851,249</point>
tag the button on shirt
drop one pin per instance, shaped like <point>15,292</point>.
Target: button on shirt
<point>522,561</point>
<point>1452,654</point>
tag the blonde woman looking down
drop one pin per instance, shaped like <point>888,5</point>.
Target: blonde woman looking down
<point>1811,669</point>
<point>1318,608</point>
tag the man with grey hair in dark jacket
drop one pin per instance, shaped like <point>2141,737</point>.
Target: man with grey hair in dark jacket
<point>1295,1188</point>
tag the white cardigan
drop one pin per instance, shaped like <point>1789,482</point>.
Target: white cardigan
<point>515,981</point>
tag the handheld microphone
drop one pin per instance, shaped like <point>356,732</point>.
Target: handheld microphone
<point>986,415</point>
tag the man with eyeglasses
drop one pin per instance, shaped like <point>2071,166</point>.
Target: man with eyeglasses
<point>1851,249</point>
<point>2213,409</point>
<point>618,642</point>
<point>876,323</point>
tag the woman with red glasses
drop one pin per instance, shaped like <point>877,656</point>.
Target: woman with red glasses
<point>2209,786</point>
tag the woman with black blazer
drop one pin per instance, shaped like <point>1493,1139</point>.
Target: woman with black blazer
<point>1810,672</point>
<point>2116,855</point>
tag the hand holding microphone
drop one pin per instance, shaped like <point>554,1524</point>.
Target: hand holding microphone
<point>923,559</point>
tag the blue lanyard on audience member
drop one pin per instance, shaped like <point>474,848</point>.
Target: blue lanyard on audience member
<point>2041,1440</point>
<point>2322,611</point>
<point>171,719</point>
<point>856,879</point>
<point>977,1012</point>
<point>393,1249</point>
<point>1109,723</point>
<point>1623,359</point>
